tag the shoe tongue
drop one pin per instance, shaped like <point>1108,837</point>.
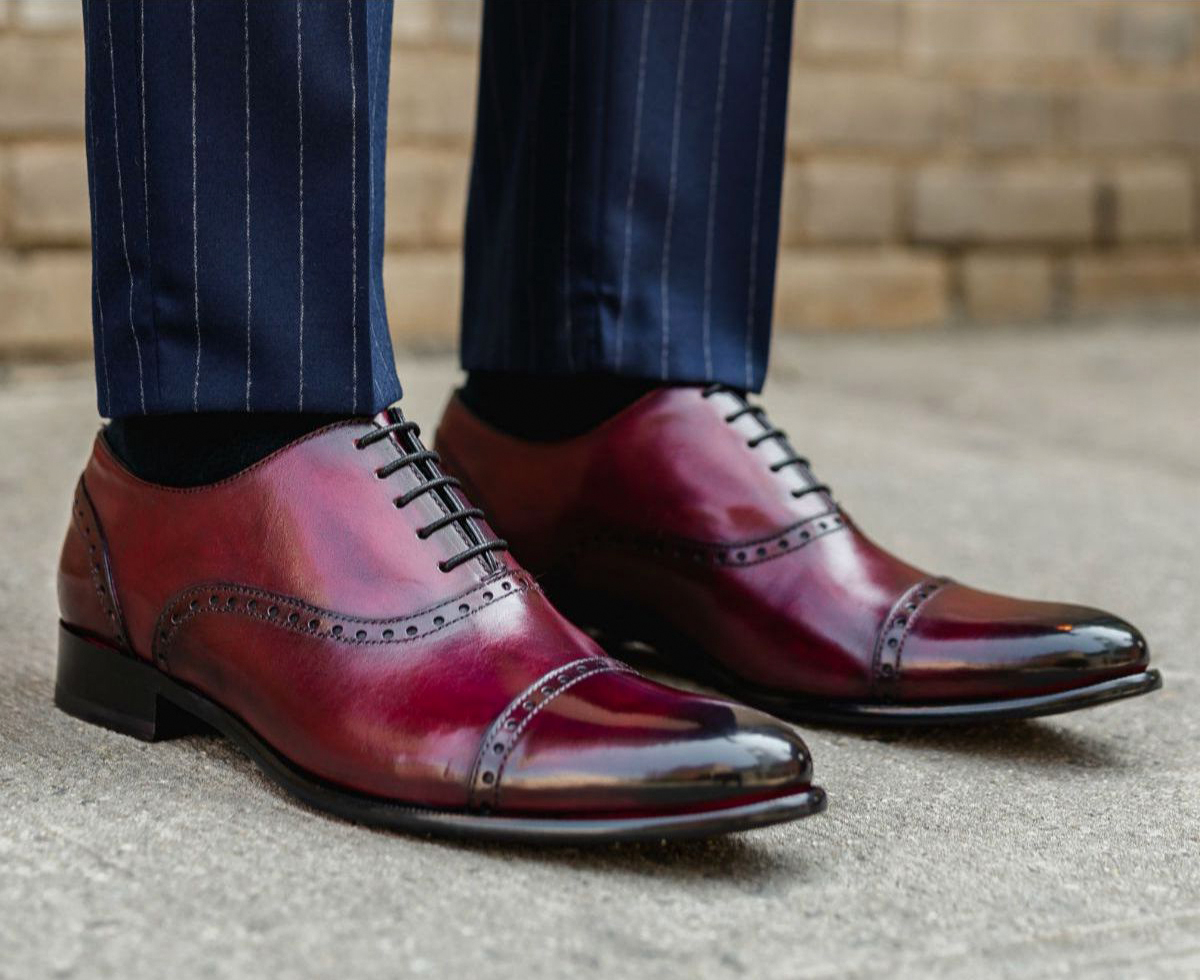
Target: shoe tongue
<point>389,415</point>
<point>407,441</point>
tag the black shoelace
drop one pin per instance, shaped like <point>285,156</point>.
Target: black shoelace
<point>432,481</point>
<point>769,432</point>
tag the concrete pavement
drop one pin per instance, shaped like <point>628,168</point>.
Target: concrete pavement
<point>1052,463</point>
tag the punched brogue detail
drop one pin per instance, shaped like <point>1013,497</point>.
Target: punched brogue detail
<point>732,554</point>
<point>502,737</point>
<point>293,614</point>
<point>84,517</point>
<point>896,627</point>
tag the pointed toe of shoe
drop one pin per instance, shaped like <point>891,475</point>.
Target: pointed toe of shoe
<point>621,745</point>
<point>972,645</point>
<point>1103,645</point>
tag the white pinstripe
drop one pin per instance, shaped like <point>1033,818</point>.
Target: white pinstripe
<point>666,253</point>
<point>567,191</point>
<point>195,233</point>
<point>534,129</point>
<point>488,60</point>
<point>494,91</point>
<point>121,197</point>
<point>758,171</point>
<point>91,133</point>
<point>520,44</point>
<point>103,340</point>
<point>532,132</point>
<point>249,280</point>
<point>372,297</point>
<point>712,191</point>
<point>300,113</point>
<point>353,213</point>
<point>521,74</point>
<point>145,157</point>
<point>633,172</point>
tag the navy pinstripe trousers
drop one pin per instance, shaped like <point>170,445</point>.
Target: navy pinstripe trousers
<point>622,216</point>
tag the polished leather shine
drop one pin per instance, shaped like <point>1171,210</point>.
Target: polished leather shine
<point>681,515</point>
<point>298,597</point>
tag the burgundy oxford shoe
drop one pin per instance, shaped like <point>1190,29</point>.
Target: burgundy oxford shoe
<point>341,613</point>
<point>687,522</point>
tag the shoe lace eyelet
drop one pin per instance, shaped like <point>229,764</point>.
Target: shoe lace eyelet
<point>432,480</point>
<point>768,431</point>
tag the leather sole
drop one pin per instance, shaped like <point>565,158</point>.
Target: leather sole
<point>106,687</point>
<point>962,713</point>
<point>647,643</point>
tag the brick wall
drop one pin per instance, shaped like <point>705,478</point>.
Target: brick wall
<point>949,161</point>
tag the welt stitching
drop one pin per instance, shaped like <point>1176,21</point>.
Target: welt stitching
<point>602,667</point>
<point>165,636</point>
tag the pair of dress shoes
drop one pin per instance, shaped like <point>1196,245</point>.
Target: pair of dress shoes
<point>345,615</point>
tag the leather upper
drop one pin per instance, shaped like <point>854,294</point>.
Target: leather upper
<point>684,511</point>
<point>298,596</point>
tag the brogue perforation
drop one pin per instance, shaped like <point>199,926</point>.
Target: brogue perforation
<point>889,646</point>
<point>300,617</point>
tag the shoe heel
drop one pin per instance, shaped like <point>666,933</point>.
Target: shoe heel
<point>103,686</point>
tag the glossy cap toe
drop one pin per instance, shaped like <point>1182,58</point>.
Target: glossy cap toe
<point>971,645</point>
<point>617,744</point>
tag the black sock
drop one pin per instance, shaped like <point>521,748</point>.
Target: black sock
<point>543,408</point>
<point>202,447</point>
